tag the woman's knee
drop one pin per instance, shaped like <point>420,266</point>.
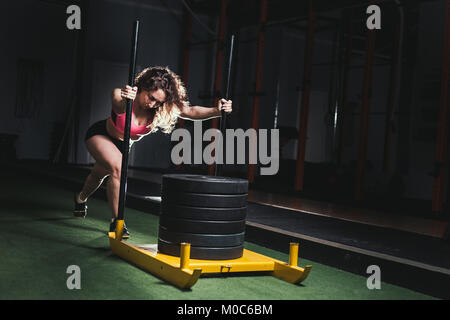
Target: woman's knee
<point>115,170</point>
<point>104,152</point>
<point>98,172</point>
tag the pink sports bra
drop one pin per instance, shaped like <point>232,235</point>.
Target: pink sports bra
<point>118,122</point>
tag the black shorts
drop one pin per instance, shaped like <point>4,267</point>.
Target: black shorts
<point>99,128</point>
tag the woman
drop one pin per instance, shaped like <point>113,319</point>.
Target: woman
<point>159,99</point>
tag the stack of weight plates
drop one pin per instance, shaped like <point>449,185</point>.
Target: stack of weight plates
<point>207,212</point>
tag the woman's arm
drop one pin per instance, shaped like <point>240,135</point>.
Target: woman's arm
<point>205,113</point>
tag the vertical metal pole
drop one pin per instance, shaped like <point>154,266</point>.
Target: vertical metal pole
<point>126,134</point>
<point>364,126</point>
<point>306,90</point>
<point>219,64</point>
<point>391,101</point>
<point>344,112</point>
<point>442,129</point>
<point>258,78</point>
<point>223,119</point>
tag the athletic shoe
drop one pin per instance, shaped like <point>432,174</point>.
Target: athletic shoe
<point>80,210</point>
<point>125,233</point>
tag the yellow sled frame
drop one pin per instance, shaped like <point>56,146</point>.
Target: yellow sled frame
<point>184,272</point>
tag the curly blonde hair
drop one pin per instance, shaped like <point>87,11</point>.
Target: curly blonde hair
<point>154,78</point>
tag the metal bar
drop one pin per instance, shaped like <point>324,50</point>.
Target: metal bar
<point>223,119</point>
<point>303,126</point>
<point>258,78</point>
<point>342,119</point>
<point>441,140</point>
<point>391,101</point>
<point>219,64</point>
<point>230,65</point>
<point>126,133</point>
<point>364,121</point>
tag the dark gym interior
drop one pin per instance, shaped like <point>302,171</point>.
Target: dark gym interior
<point>362,116</point>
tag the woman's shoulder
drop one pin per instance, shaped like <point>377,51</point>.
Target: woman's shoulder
<point>117,102</point>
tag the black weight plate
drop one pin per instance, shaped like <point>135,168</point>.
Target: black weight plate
<point>204,184</point>
<point>203,213</point>
<point>201,226</point>
<point>202,240</point>
<point>203,253</point>
<point>205,200</point>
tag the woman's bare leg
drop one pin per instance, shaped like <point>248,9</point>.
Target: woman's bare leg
<point>112,191</point>
<point>108,162</point>
<point>93,182</point>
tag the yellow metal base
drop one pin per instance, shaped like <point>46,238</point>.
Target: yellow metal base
<point>184,272</point>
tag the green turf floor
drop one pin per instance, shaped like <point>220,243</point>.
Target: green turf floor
<point>39,239</point>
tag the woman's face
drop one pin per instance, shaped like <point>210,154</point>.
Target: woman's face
<point>151,99</point>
